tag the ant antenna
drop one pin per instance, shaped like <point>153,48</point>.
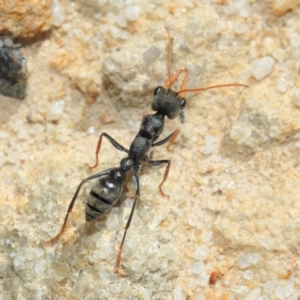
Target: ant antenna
<point>170,40</point>
<point>173,78</point>
<point>209,87</point>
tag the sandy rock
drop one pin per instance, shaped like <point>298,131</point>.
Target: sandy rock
<point>24,18</point>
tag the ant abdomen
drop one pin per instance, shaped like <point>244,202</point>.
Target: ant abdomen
<point>103,195</point>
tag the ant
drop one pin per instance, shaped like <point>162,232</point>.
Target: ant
<point>109,186</point>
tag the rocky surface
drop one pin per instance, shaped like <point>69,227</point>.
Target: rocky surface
<point>234,180</point>
<point>23,18</point>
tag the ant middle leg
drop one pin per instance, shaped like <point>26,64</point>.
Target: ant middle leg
<point>84,180</point>
<point>113,142</point>
<point>137,195</point>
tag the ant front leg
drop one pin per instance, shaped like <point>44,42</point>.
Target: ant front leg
<point>170,138</point>
<point>137,195</point>
<point>56,238</point>
<point>113,142</point>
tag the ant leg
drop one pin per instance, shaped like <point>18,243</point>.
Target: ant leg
<point>170,138</point>
<point>113,142</point>
<point>137,195</point>
<point>157,163</point>
<point>56,238</point>
<point>173,138</point>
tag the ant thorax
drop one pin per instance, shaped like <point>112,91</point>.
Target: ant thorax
<point>152,126</point>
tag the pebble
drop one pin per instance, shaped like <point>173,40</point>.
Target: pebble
<point>279,292</point>
<point>13,157</point>
<point>243,262</point>
<point>201,252</point>
<point>209,146</point>
<point>198,267</point>
<point>58,16</point>
<point>18,263</point>
<point>56,110</point>
<point>281,85</point>
<point>7,42</point>
<point>270,286</point>
<point>132,13</point>
<point>262,67</point>
<point>40,266</point>
<point>151,55</point>
<point>239,290</point>
<point>248,275</point>
<point>289,288</point>
<point>254,294</point>
<point>177,293</point>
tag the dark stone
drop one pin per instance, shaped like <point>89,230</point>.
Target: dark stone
<point>13,72</point>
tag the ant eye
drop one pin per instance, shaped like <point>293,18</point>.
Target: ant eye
<point>157,90</point>
<point>183,103</point>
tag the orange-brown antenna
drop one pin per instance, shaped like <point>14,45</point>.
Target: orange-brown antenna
<point>211,87</point>
<point>185,79</point>
<point>169,52</point>
<point>172,79</point>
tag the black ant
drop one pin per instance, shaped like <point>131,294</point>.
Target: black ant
<point>108,189</point>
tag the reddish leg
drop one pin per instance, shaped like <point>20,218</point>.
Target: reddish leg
<point>173,138</point>
<point>170,138</point>
<point>157,163</point>
<point>56,238</point>
<point>113,142</point>
<point>137,194</point>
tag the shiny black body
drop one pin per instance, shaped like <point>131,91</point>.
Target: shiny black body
<point>109,185</point>
<point>107,190</point>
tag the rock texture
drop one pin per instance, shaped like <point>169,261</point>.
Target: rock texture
<point>23,18</point>
<point>230,229</point>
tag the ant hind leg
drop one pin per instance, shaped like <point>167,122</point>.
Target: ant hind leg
<point>94,176</point>
<point>137,195</point>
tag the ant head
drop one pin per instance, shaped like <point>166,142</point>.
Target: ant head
<point>167,102</point>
